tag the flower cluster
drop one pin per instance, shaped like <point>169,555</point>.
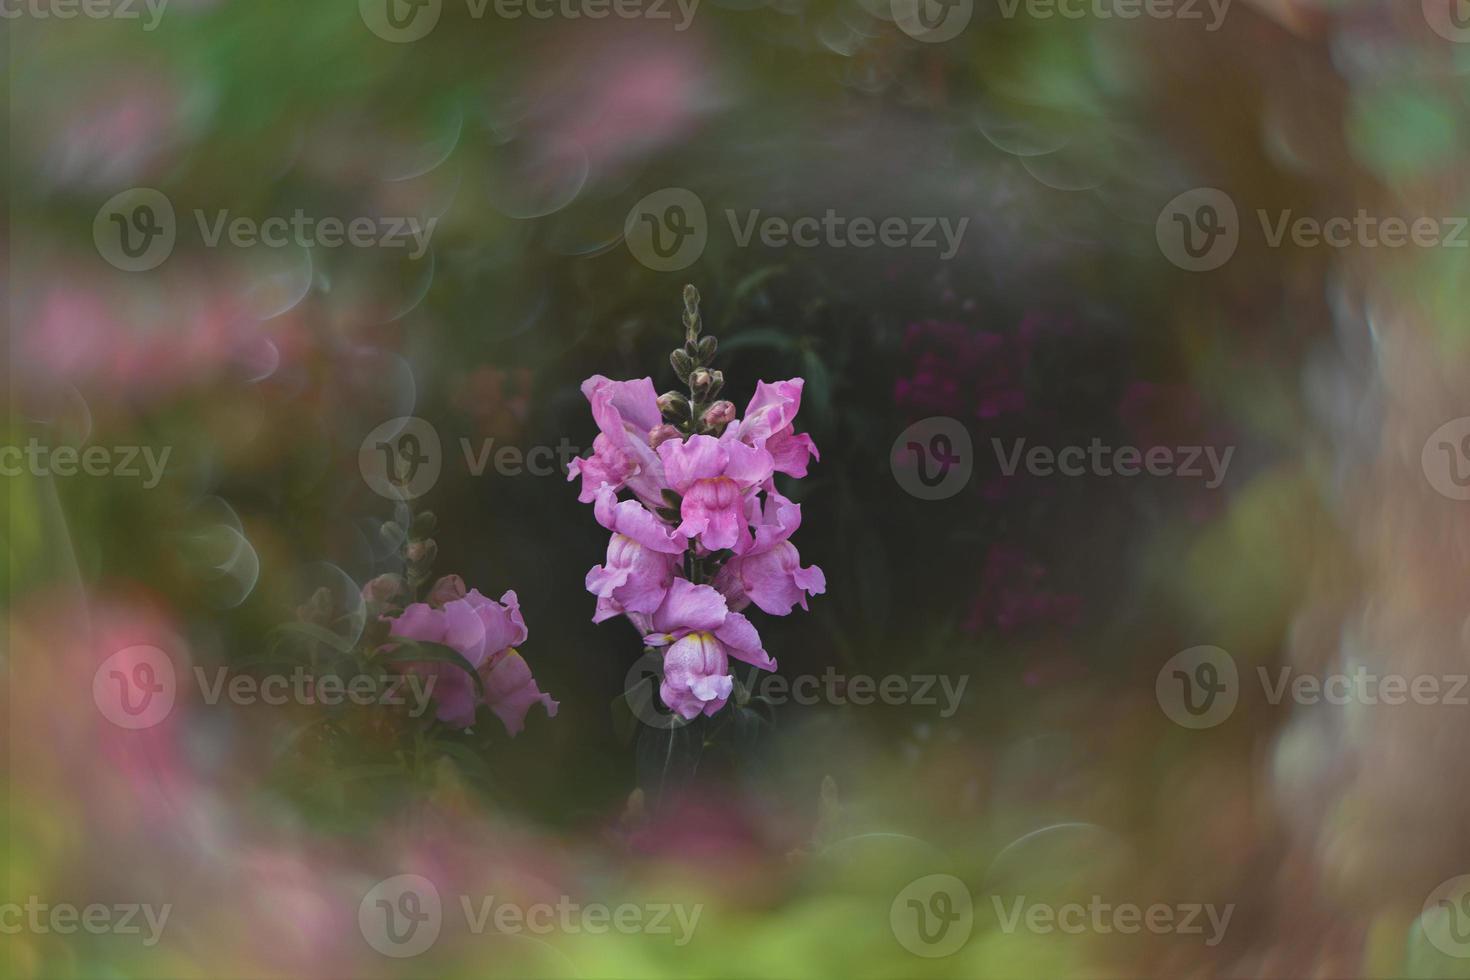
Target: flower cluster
<point>704,533</point>
<point>486,634</point>
<point>468,641</point>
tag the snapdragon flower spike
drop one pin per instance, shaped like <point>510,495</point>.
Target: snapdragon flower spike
<point>706,534</point>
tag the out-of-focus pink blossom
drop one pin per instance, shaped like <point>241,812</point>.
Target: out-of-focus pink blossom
<point>486,633</point>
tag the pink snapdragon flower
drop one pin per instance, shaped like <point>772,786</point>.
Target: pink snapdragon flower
<point>640,558</point>
<point>486,633</point>
<point>769,573</point>
<point>702,634</point>
<point>625,413</point>
<point>768,425</point>
<point>707,511</point>
<point>714,476</point>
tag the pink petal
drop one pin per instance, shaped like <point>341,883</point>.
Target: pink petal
<point>690,607</point>
<point>699,457</point>
<point>743,642</point>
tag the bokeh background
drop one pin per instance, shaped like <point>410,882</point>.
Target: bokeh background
<point>796,828</point>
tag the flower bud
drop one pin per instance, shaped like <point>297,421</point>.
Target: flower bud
<point>700,381</point>
<point>719,415</point>
<point>319,608</point>
<point>382,589</point>
<point>424,550</point>
<point>682,363</point>
<point>447,589</point>
<point>673,405</point>
<point>661,434</point>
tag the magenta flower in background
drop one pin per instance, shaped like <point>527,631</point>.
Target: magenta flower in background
<point>486,633</point>
<point>960,371</point>
<point>1013,595</point>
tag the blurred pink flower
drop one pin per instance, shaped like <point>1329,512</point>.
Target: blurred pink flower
<point>1012,595</point>
<point>124,346</point>
<point>485,633</point>
<point>623,93</point>
<point>961,372</point>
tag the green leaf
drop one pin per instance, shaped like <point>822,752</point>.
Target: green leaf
<point>418,651</point>
<point>667,757</point>
<point>312,631</point>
